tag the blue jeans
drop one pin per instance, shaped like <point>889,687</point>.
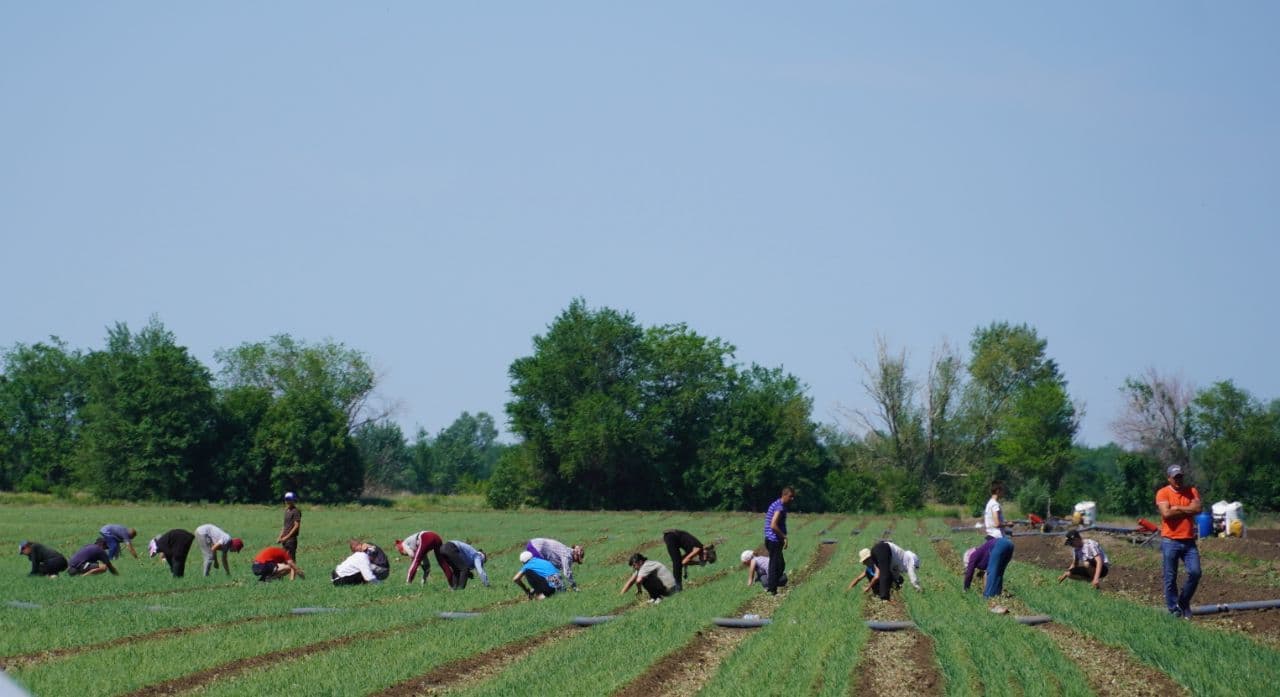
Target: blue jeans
<point>1189,554</point>
<point>113,546</point>
<point>1001,553</point>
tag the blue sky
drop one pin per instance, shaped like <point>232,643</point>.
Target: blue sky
<point>433,184</point>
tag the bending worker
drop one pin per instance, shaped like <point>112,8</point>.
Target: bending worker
<point>891,563</point>
<point>463,560</point>
<point>116,535</point>
<point>684,549</point>
<point>416,547</point>
<point>539,574</point>
<point>173,547</point>
<point>212,539</point>
<point>559,554</point>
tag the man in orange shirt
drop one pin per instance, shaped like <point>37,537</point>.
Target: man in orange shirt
<point>274,562</point>
<point>1178,504</point>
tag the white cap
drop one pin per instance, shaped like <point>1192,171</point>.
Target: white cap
<point>968,553</point>
<point>747,555</point>
<point>525,556</point>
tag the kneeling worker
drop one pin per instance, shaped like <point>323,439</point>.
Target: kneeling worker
<point>45,561</point>
<point>275,562</point>
<point>652,576</point>
<point>758,568</point>
<point>91,559</point>
<point>541,576</point>
<point>355,569</point>
<point>1088,561</point>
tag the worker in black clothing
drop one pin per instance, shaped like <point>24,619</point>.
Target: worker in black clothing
<point>45,561</point>
<point>174,547</point>
<point>685,549</point>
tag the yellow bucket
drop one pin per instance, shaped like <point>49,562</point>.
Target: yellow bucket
<point>1077,517</point>
<point>1236,528</point>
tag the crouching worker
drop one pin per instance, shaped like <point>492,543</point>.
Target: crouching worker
<point>275,562</point>
<point>868,571</point>
<point>90,560</point>
<point>684,550</point>
<point>1088,561</point>
<point>758,568</point>
<point>377,558</point>
<point>45,561</point>
<point>652,576</point>
<point>355,569</point>
<point>173,547</point>
<point>891,562</point>
<point>541,576</point>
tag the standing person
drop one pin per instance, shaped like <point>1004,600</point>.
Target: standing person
<point>275,562</point>
<point>173,546</point>
<point>212,539</point>
<point>1178,504</point>
<point>758,568</point>
<point>993,515</point>
<point>1088,561</point>
<point>891,563</point>
<point>416,547</point>
<point>45,561</point>
<point>292,525</point>
<point>652,576</point>
<point>560,554</point>
<point>462,559</point>
<point>91,559</point>
<point>684,548</point>
<point>541,576</point>
<point>868,571</point>
<point>775,537</point>
<point>355,569</point>
<point>377,559</point>
<point>116,535</point>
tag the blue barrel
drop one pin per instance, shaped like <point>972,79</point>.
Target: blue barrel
<point>1204,524</point>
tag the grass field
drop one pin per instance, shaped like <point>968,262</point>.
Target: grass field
<point>146,633</point>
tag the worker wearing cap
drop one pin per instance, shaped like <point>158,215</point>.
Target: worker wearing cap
<point>45,561</point>
<point>685,549</point>
<point>211,540</point>
<point>559,554</point>
<point>758,568</point>
<point>173,547</point>
<point>1178,504</point>
<point>1088,561</point>
<point>540,575</point>
<point>868,571</point>
<point>116,535</point>
<point>891,563</point>
<point>292,525</point>
<point>651,576</point>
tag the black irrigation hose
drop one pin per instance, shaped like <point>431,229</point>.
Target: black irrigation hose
<point>590,621</point>
<point>1229,607</point>
<point>741,622</point>
<point>456,615</point>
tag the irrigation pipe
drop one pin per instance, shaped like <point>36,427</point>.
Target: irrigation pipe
<point>456,615</point>
<point>741,622</point>
<point>1033,619</point>
<point>591,621</point>
<point>1232,607</point>
<point>890,626</point>
<point>313,610</point>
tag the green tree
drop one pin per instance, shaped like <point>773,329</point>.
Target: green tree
<point>305,442</point>
<point>461,455</point>
<point>386,457</point>
<point>1238,456</point>
<point>148,418</point>
<point>242,468</point>
<point>41,392</point>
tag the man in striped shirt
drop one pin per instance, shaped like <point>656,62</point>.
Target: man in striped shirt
<point>775,538</point>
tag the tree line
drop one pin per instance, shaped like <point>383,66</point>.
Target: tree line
<point>609,413</point>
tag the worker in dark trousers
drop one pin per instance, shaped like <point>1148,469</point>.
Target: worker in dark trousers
<point>775,538</point>
<point>174,547</point>
<point>685,549</point>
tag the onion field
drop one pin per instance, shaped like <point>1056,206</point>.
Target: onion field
<point>144,632</point>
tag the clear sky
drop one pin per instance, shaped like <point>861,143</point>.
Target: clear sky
<point>432,183</point>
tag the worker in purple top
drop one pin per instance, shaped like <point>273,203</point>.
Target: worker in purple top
<point>91,559</point>
<point>775,538</point>
<point>991,557</point>
<point>116,535</point>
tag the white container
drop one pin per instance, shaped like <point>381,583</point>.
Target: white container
<point>1234,512</point>
<point>1088,511</point>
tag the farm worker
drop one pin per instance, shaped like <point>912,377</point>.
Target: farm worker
<point>758,568</point>
<point>652,576</point>
<point>292,525</point>
<point>173,546</point>
<point>275,562</point>
<point>868,571</point>
<point>117,535</point>
<point>539,574</point>
<point>416,547</point>
<point>992,557</point>
<point>355,569</point>
<point>560,554</point>
<point>684,548</point>
<point>212,539</point>
<point>775,538</point>
<point>1178,504</point>
<point>91,559</point>
<point>463,560</point>
<point>1088,561</point>
<point>891,562</point>
<point>45,561</point>
<point>377,558</point>
<point>993,515</point>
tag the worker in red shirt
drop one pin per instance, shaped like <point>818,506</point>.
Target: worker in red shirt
<point>1179,503</point>
<point>275,562</point>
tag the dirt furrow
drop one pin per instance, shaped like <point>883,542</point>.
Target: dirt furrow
<point>896,663</point>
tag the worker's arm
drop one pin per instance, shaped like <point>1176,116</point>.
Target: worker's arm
<point>690,555</point>
<point>112,569</point>
<point>132,551</point>
<point>911,576</point>
<point>631,581</point>
<point>751,573</point>
<point>773,525</point>
<point>225,565</point>
<point>566,567</point>
<point>479,564</point>
<point>290,532</point>
<point>855,580</point>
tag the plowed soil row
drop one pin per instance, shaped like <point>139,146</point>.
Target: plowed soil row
<point>1110,670</point>
<point>686,670</point>
<point>896,663</point>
